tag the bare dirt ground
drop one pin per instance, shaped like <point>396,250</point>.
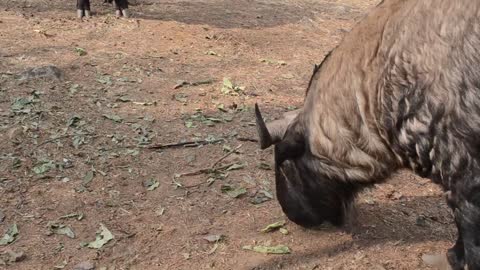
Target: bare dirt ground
<point>74,156</point>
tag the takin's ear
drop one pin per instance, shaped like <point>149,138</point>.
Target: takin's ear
<point>293,145</point>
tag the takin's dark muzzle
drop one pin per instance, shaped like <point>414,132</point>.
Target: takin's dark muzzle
<point>307,196</point>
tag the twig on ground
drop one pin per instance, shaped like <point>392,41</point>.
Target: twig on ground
<point>225,156</point>
<point>212,168</point>
<point>244,139</point>
<point>184,144</point>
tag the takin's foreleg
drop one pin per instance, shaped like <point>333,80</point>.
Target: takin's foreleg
<point>83,8</point>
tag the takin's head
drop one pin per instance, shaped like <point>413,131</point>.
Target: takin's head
<point>308,193</point>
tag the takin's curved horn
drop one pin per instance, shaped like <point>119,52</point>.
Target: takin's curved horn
<point>272,132</point>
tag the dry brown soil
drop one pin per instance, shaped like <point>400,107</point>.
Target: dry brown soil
<point>120,97</point>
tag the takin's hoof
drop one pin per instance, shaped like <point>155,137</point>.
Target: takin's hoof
<point>437,261</point>
<point>88,14</point>
<point>79,13</point>
<point>125,13</point>
<point>118,13</point>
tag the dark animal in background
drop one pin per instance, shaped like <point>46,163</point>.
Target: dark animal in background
<point>402,90</point>
<point>121,8</point>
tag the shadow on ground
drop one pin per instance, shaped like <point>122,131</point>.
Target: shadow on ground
<point>401,223</point>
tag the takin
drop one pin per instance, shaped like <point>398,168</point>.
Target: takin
<point>121,8</point>
<point>402,90</point>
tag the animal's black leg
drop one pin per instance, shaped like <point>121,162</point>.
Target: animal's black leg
<point>468,219</point>
<point>121,8</point>
<point>83,8</point>
<point>87,8</point>
<point>456,254</point>
<point>80,8</point>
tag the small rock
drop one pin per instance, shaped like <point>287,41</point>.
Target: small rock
<point>87,265</point>
<point>45,72</point>
<point>213,238</point>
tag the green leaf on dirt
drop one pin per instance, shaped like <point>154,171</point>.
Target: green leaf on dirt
<point>78,140</point>
<point>87,179</point>
<point>189,124</point>
<point>44,167</point>
<point>132,152</point>
<point>181,97</point>
<point>279,249</point>
<point>151,184</point>
<point>236,166</point>
<point>229,88</point>
<point>107,80</point>
<point>80,51</point>
<point>124,99</point>
<point>103,237</point>
<point>283,231</point>
<point>61,229</point>
<point>232,191</point>
<point>73,121</point>
<point>20,105</point>
<point>73,88</point>
<point>264,166</point>
<point>78,216</point>
<point>273,226</point>
<point>113,117</point>
<point>261,196</point>
<point>10,235</point>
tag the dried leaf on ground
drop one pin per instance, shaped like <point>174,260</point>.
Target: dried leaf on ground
<point>113,117</point>
<point>61,229</point>
<point>80,51</point>
<point>229,88</point>
<point>151,184</point>
<point>279,249</point>
<point>236,166</point>
<point>103,237</point>
<point>232,191</point>
<point>10,235</point>
<point>261,196</point>
<point>44,167</point>
<point>73,121</point>
<point>78,216</point>
<point>273,226</point>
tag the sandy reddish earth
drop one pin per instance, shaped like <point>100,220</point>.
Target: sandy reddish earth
<point>79,144</point>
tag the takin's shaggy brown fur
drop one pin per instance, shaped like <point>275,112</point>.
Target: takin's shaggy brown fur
<point>401,90</point>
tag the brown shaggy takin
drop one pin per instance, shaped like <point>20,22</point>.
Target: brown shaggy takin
<point>401,90</point>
